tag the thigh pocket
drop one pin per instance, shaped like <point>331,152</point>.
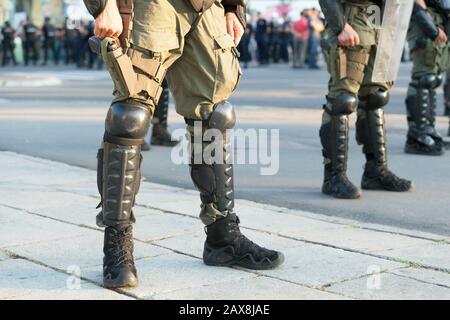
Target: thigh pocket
<point>228,70</point>
<point>347,63</point>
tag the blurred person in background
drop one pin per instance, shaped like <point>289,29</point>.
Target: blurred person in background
<point>261,39</point>
<point>316,27</point>
<point>50,33</point>
<point>273,42</point>
<point>8,35</point>
<point>244,47</point>
<point>300,30</point>
<point>30,39</point>
<point>285,36</point>
<point>68,41</point>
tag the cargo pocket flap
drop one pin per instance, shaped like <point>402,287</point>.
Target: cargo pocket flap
<point>156,41</point>
<point>224,41</point>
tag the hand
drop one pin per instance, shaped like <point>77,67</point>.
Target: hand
<point>234,27</point>
<point>109,22</point>
<point>442,37</point>
<point>348,37</point>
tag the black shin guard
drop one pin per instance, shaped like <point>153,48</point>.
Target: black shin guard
<point>334,135</point>
<point>418,110</point>
<point>213,177</point>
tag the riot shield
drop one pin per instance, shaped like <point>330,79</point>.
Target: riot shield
<point>396,18</point>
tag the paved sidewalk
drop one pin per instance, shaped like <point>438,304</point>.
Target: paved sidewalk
<point>48,236</point>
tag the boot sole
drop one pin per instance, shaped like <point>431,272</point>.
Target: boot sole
<point>409,150</point>
<point>377,186</point>
<point>342,196</point>
<point>220,258</point>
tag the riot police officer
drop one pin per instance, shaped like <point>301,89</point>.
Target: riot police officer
<point>350,55</point>
<point>30,33</point>
<point>50,33</point>
<point>194,42</point>
<point>8,34</point>
<point>447,99</point>
<point>430,52</point>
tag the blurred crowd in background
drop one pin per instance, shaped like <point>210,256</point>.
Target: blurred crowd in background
<point>32,45</point>
<point>266,41</point>
<point>285,40</point>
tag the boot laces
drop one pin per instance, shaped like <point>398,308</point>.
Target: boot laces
<point>242,243</point>
<point>121,247</point>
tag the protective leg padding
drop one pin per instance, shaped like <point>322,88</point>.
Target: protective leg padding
<point>214,180</point>
<point>120,183</point>
<point>334,138</point>
<point>127,123</point>
<point>371,133</point>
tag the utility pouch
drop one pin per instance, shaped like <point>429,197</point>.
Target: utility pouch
<point>119,67</point>
<point>342,57</point>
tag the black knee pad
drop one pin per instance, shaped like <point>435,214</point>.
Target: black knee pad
<point>127,123</point>
<point>223,117</point>
<point>343,104</point>
<point>438,82</point>
<point>427,81</point>
<point>375,101</point>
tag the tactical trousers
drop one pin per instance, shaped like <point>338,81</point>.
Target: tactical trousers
<point>351,70</point>
<point>196,50</point>
<point>428,57</point>
<point>202,67</point>
<point>430,61</point>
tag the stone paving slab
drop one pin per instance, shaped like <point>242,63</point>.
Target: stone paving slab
<point>435,255</point>
<point>23,228</point>
<point>318,266</point>
<point>251,289</point>
<point>52,224</point>
<point>430,276</point>
<point>158,226</point>
<point>391,287</point>
<point>174,272</point>
<point>66,253</point>
<point>21,279</point>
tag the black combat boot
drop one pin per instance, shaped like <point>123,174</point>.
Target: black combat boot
<point>371,133</point>
<point>160,133</point>
<point>334,136</point>
<point>377,176</point>
<point>419,140</point>
<point>118,263</point>
<point>226,246</point>
<point>118,179</point>
<point>338,185</point>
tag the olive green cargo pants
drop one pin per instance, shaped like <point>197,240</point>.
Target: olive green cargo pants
<point>197,52</point>
<point>351,68</point>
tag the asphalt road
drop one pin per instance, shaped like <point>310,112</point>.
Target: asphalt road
<point>65,123</point>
